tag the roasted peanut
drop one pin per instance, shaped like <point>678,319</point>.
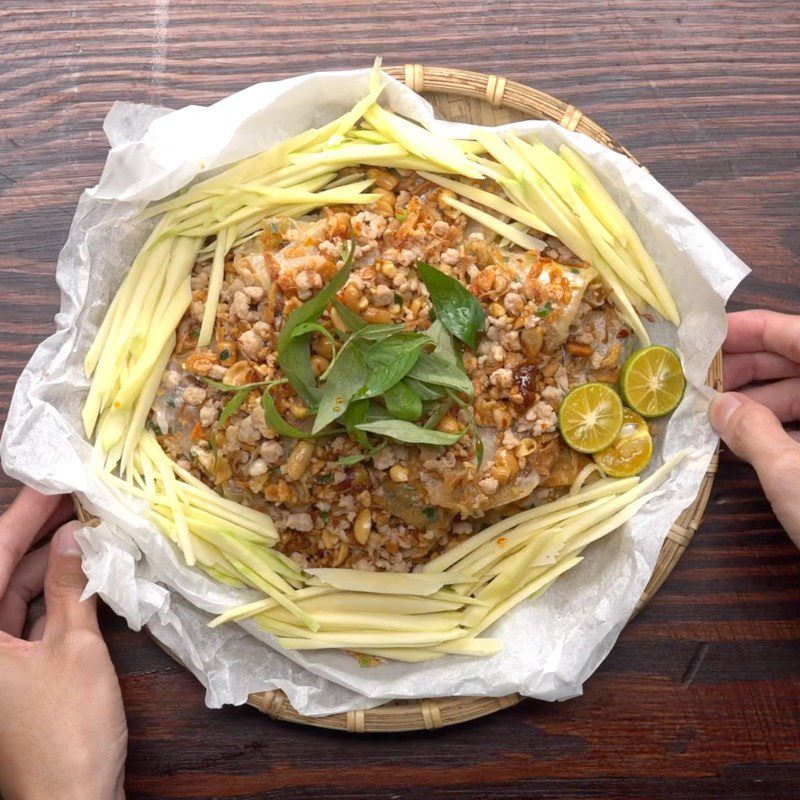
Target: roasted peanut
<point>337,321</point>
<point>362,526</point>
<point>388,269</point>
<point>578,349</point>
<point>298,411</point>
<point>398,473</point>
<point>323,346</point>
<point>319,364</point>
<point>341,555</point>
<point>377,316</point>
<point>505,466</point>
<point>532,340</point>
<point>299,459</point>
<point>448,424</point>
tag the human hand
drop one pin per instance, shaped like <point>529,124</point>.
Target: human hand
<point>764,346</point>
<point>62,725</point>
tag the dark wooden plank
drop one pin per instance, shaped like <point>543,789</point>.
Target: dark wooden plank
<point>701,696</point>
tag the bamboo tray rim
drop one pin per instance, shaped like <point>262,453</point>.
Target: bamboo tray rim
<point>432,713</point>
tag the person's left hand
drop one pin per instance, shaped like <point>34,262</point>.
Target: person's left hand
<point>63,732</point>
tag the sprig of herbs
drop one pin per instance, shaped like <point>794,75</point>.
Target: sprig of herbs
<point>381,379</point>
<point>294,352</point>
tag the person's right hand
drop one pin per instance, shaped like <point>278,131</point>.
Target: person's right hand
<point>764,346</point>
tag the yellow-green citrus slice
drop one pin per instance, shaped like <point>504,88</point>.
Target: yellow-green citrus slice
<point>652,381</point>
<point>590,417</point>
<point>631,451</point>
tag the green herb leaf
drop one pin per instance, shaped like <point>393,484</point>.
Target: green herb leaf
<point>438,413</point>
<point>356,414</point>
<point>294,353</point>
<point>314,327</point>
<point>376,412</point>
<point>432,369</point>
<point>404,431</point>
<point>443,343</point>
<point>224,355</point>
<point>388,361</point>
<point>472,426</point>
<point>402,402</point>
<point>431,513</point>
<point>545,310</point>
<point>284,428</point>
<point>352,320</point>
<point>426,393</point>
<point>373,333</point>
<point>229,387</point>
<point>344,381</point>
<point>324,478</point>
<point>457,308</point>
<point>233,405</point>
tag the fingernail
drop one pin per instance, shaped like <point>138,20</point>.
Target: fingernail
<point>721,408</point>
<point>65,542</point>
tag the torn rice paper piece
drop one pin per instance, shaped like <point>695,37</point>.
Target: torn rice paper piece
<point>551,645</point>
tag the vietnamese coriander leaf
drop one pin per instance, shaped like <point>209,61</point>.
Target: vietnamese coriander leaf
<point>237,401</point>
<point>229,387</point>
<point>390,360</point>
<point>346,461</point>
<point>402,402</point>
<point>404,431</point>
<point>314,327</point>
<point>456,307</point>
<point>351,320</point>
<point>443,343</point>
<point>425,391</point>
<point>294,353</point>
<point>356,414</point>
<point>232,406</point>
<point>473,426</point>
<point>438,413</point>
<point>281,426</point>
<point>432,369</point>
<point>373,333</point>
<point>344,380</point>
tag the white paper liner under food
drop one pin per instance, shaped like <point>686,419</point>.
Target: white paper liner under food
<point>552,644</point>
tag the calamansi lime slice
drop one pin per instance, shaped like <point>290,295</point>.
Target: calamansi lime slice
<point>631,451</point>
<point>590,417</point>
<point>652,381</point>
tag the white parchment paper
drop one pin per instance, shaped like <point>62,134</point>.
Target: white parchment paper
<point>552,644</point>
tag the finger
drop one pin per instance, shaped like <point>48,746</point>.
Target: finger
<point>755,434</point>
<point>37,629</point>
<point>781,398</point>
<point>743,368</point>
<point>19,526</point>
<point>63,512</point>
<point>63,585</point>
<point>757,330</point>
<point>26,583</point>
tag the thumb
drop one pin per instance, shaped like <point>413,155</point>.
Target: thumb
<point>756,435</point>
<point>64,583</point>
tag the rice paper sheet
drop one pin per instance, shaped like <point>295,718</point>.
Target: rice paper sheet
<point>552,644</point>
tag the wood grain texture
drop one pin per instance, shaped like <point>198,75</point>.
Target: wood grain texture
<point>701,696</point>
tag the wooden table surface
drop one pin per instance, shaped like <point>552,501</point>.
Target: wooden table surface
<point>701,696</point>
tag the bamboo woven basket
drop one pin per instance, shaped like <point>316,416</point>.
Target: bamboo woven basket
<point>464,96</point>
